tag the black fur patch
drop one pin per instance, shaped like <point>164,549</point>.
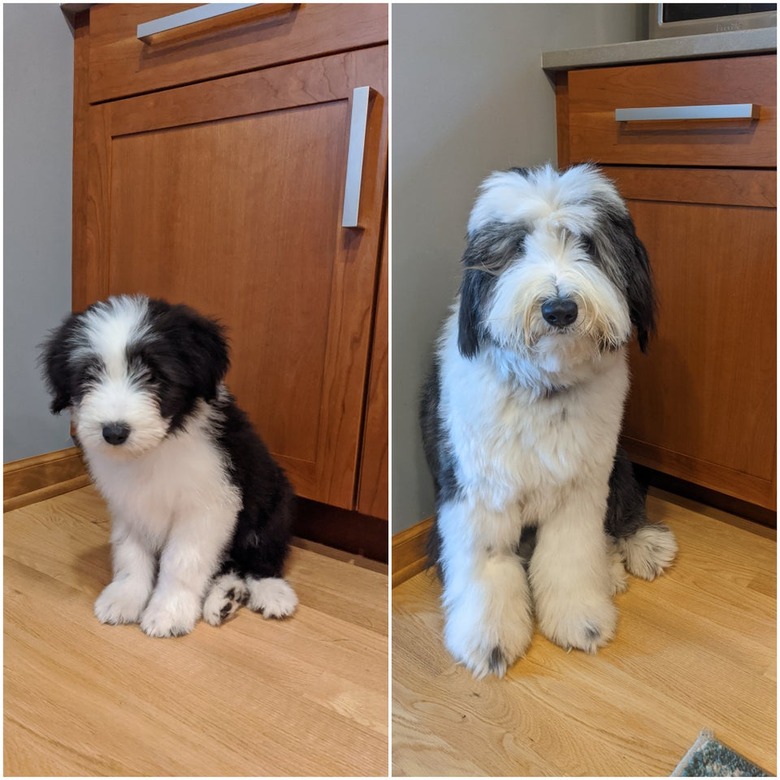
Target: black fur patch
<point>489,251</point>
<point>616,237</point>
<point>186,362</point>
<point>626,512</point>
<point>497,661</point>
<point>63,380</point>
<point>260,540</point>
<point>441,460</point>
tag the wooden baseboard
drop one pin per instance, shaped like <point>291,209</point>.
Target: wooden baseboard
<point>42,476</point>
<point>409,551</point>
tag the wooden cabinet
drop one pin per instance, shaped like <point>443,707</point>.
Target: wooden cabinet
<point>227,194</point>
<point>703,197</point>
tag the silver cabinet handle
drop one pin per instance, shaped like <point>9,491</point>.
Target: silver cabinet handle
<point>728,111</point>
<point>358,127</point>
<point>203,13</point>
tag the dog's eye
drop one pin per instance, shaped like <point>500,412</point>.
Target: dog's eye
<point>588,245</point>
<point>142,369</point>
<point>89,372</point>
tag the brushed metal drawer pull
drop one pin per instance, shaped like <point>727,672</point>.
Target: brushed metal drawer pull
<point>228,13</point>
<point>660,113</point>
<point>358,128</point>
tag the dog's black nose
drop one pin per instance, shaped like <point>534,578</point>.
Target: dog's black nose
<point>559,312</point>
<point>116,432</point>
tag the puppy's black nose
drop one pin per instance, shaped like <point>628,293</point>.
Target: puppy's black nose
<point>116,432</point>
<point>559,312</point>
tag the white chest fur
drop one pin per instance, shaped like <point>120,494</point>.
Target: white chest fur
<point>185,475</point>
<point>518,449</point>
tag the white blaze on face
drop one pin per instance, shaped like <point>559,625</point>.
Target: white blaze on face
<point>117,393</point>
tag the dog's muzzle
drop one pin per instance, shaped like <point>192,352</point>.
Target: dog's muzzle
<point>116,432</point>
<point>559,312</point>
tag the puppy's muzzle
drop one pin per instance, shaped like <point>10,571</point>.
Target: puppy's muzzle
<point>116,432</point>
<point>559,312</point>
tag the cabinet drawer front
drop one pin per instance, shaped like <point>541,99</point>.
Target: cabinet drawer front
<point>267,34</point>
<point>595,95</point>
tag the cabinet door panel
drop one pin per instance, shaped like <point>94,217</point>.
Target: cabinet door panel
<point>227,195</point>
<point>714,266</point>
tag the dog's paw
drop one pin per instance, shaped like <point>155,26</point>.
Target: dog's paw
<point>488,644</point>
<point>173,615</point>
<point>648,551</point>
<point>483,655</point>
<point>482,660</point>
<point>579,625</point>
<point>224,599</point>
<point>271,596</point>
<point>122,601</point>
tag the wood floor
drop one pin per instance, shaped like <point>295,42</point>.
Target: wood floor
<point>694,649</point>
<point>304,696</point>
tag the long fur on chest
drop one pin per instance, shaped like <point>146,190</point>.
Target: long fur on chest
<point>186,475</point>
<point>507,444</point>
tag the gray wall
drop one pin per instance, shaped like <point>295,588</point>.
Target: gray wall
<point>38,141</point>
<point>468,97</point>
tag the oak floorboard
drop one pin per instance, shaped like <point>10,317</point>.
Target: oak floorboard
<point>303,696</point>
<point>694,649</point>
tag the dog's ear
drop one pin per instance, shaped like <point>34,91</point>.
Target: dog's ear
<point>640,289</point>
<point>490,250</point>
<point>54,360</point>
<point>472,293</point>
<point>635,275</point>
<point>205,346</point>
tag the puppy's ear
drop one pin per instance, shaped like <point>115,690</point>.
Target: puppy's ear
<point>640,290</point>
<point>54,362</point>
<point>206,349</point>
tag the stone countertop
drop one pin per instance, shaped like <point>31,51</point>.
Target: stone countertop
<point>686,47</point>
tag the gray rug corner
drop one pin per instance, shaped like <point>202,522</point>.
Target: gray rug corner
<point>708,757</point>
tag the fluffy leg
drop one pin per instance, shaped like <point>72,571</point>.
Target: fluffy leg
<point>487,602</point>
<point>647,548</point>
<point>571,575</point>
<point>187,564</point>
<point>124,599</point>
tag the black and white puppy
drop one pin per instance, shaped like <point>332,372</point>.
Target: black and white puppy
<point>521,417</point>
<point>201,512</point>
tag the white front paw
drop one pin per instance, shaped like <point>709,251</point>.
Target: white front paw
<point>485,641</point>
<point>271,596</point>
<point>173,615</point>
<point>122,601</point>
<point>580,623</point>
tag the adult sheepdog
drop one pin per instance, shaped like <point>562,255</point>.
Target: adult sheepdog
<point>521,416</point>
<point>200,511</point>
